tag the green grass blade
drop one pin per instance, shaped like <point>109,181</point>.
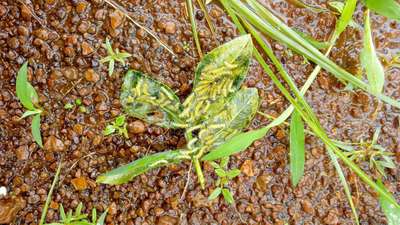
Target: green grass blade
<point>189,5</point>
<point>215,193</point>
<point>207,16</point>
<point>345,185</point>
<point>298,44</point>
<point>392,212</point>
<point>236,144</point>
<point>102,218</point>
<point>124,174</point>
<point>228,196</point>
<point>388,8</point>
<point>35,128</point>
<point>48,199</point>
<point>345,17</point>
<point>297,154</point>
<point>370,60</point>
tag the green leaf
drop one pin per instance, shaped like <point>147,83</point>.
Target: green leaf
<point>120,120</point>
<point>215,165</point>
<point>68,106</point>
<point>147,99</point>
<point>317,44</point>
<point>236,144</point>
<point>30,113</point>
<point>224,162</point>
<point>111,67</point>
<point>125,173</point>
<point>370,61</point>
<point>233,173</point>
<point>110,129</point>
<point>297,154</point>
<point>391,211</point>
<point>215,193</point>
<point>219,74</point>
<point>62,213</point>
<point>102,218</point>
<point>237,114</point>
<point>94,215</point>
<point>78,209</point>
<point>220,172</point>
<point>346,17</point>
<point>388,8</point>
<point>228,196</point>
<point>35,127</point>
<point>25,92</point>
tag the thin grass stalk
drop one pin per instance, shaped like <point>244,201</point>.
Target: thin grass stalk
<point>311,119</point>
<point>314,56</point>
<point>190,9</point>
<point>126,13</point>
<point>48,199</point>
<point>207,16</point>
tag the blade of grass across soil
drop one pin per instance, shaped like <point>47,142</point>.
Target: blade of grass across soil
<point>48,199</point>
<point>195,35</point>
<point>308,116</point>
<point>297,154</point>
<point>369,59</point>
<point>391,212</point>
<point>267,23</point>
<point>207,16</point>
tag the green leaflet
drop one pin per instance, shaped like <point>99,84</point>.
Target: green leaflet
<point>25,92</point>
<point>235,116</point>
<point>219,74</point>
<point>391,211</point>
<point>297,154</point>
<point>388,8</point>
<point>36,130</point>
<point>127,172</point>
<point>370,61</point>
<point>147,99</point>
<point>346,17</point>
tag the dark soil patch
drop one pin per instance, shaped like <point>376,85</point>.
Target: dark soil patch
<point>63,44</point>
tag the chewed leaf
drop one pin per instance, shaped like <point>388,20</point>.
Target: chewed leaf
<point>235,116</point>
<point>219,74</point>
<point>127,172</point>
<point>147,99</point>
<point>392,212</point>
<point>388,8</point>
<point>370,61</point>
<point>25,92</point>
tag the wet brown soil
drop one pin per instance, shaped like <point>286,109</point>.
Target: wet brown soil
<point>62,41</point>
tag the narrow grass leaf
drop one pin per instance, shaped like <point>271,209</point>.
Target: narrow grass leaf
<point>29,113</point>
<point>102,218</point>
<point>127,172</point>
<point>190,9</point>
<point>346,17</point>
<point>35,127</point>
<point>370,60</point>
<point>297,154</point>
<point>25,91</point>
<point>228,196</point>
<point>392,212</point>
<point>48,199</point>
<point>236,144</point>
<point>388,8</point>
<point>345,185</point>
<point>215,193</point>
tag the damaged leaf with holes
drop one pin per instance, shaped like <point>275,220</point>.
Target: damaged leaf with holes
<point>217,109</point>
<point>219,74</point>
<point>147,99</point>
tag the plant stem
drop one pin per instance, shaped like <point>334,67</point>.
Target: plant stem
<point>194,27</point>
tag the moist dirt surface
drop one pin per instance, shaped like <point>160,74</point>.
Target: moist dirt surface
<point>62,40</point>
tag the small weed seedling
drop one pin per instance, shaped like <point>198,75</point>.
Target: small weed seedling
<point>77,218</point>
<point>217,109</point>
<point>113,56</point>
<point>78,103</point>
<point>376,155</point>
<point>224,177</point>
<point>118,126</point>
<point>30,100</point>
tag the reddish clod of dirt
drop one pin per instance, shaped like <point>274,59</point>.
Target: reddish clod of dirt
<point>62,42</point>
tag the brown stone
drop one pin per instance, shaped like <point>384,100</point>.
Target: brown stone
<point>79,183</point>
<point>167,220</point>
<point>137,127</point>
<point>307,206</point>
<point>116,19</point>
<point>9,209</point>
<point>261,183</point>
<point>87,48</point>
<point>22,152</point>
<point>70,73</point>
<point>54,144</point>
<point>170,27</point>
<point>247,168</point>
<point>81,6</point>
<point>91,75</point>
